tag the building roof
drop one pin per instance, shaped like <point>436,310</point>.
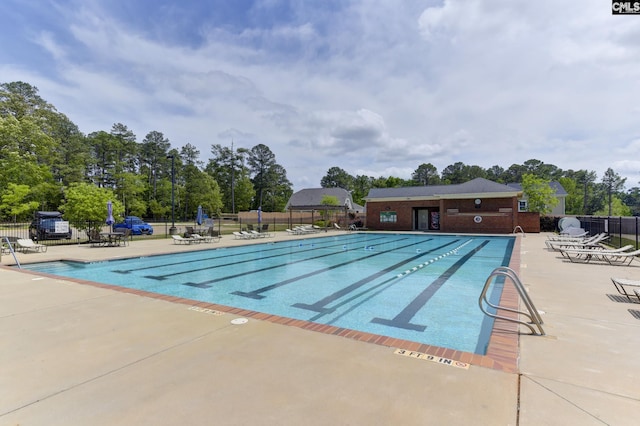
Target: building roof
<point>311,199</point>
<point>474,188</point>
<point>557,187</point>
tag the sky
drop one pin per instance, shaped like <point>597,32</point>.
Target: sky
<point>374,87</point>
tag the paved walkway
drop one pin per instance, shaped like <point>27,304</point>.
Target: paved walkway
<point>75,354</point>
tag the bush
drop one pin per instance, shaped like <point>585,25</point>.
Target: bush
<point>548,224</point>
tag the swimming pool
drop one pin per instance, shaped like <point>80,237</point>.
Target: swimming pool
<point>416,287</point>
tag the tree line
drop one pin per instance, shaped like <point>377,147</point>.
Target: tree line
<point>586,196</point>
<point>46,163</point>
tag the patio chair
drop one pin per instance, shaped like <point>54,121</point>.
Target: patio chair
<point>257,234</point>
<point>240,236</point>
<point>626,287</point>
<point>126,236</point>
<point>95,239</point>
<point>265,230</point>
<point>26,244</point>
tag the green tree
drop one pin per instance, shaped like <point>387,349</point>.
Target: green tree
<point>361,186</point>
<point>337,178</point>
<point>540,196</point>
<point>573,200</point>
<point>278,190</point>
<point>632,199</point>
<point>126,149</point>
<point>153,161</point>
<point>206,193</point>
<point>586,179</point>
<point>426,174</point>
<point>131,190</point>
<point>496,174</point>
<point>615,208</point>
<point>228,169</point>
<point>613,184</point>
<point>244,192</point>
<point>329,201</point>
<point>15,201</point>
<point>260,160</point>
<point>541,170</point>
<point>70,157</point>
<point>22,143</point>
<point>461,173</point>
<point>86,206</point>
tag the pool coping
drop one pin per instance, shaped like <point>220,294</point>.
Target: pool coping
<point>502,352</point>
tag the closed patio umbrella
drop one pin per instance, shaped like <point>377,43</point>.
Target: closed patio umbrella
<point>110,220</point>
<point>199,216</point>
<point>259,215</point>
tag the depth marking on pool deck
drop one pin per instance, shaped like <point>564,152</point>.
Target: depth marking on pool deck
<point>432,358</point>
<point>206,310</point>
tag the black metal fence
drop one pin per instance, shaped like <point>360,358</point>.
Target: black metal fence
<point>162,228</point>
<point>623,230</point>
<point>79,233</point>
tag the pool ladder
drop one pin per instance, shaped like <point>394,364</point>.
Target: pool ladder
<point>519,228</point>
<point>532,314</point>
<point>11,250</point>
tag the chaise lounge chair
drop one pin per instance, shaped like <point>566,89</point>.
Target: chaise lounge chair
<point>562,237</point>
<point>240,236</point>
<point>177,239</point>
<point>612,257</point>
<point>594,241</point>
<point>594,251</point>
<point>203,238</point>
<point>622,284</point>
<point>26,244</point>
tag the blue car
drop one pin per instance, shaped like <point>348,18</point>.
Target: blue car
<point>137,226</point>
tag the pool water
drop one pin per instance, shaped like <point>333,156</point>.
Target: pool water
<point>417,287</point>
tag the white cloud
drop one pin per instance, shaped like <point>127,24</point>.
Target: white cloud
<point>375,89</point>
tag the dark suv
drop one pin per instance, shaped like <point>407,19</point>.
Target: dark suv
<point>49,226</point>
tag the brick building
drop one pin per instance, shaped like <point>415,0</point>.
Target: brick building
<point>477,206</point>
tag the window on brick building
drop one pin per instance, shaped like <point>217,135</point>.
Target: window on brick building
<point>388,217</point>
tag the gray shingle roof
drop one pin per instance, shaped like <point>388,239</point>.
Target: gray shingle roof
<point>473,187</point>
<point>559,189</point>
<point>311,198</point>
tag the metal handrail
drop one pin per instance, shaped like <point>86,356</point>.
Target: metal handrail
<point>532,314</point>
<point>518,227</point>
<point>12,251</point>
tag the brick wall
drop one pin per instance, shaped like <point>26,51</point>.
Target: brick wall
<point>530,222</point>
<point>498,215</point>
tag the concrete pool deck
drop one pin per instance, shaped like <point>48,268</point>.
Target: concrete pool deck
<point>76,354</point>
